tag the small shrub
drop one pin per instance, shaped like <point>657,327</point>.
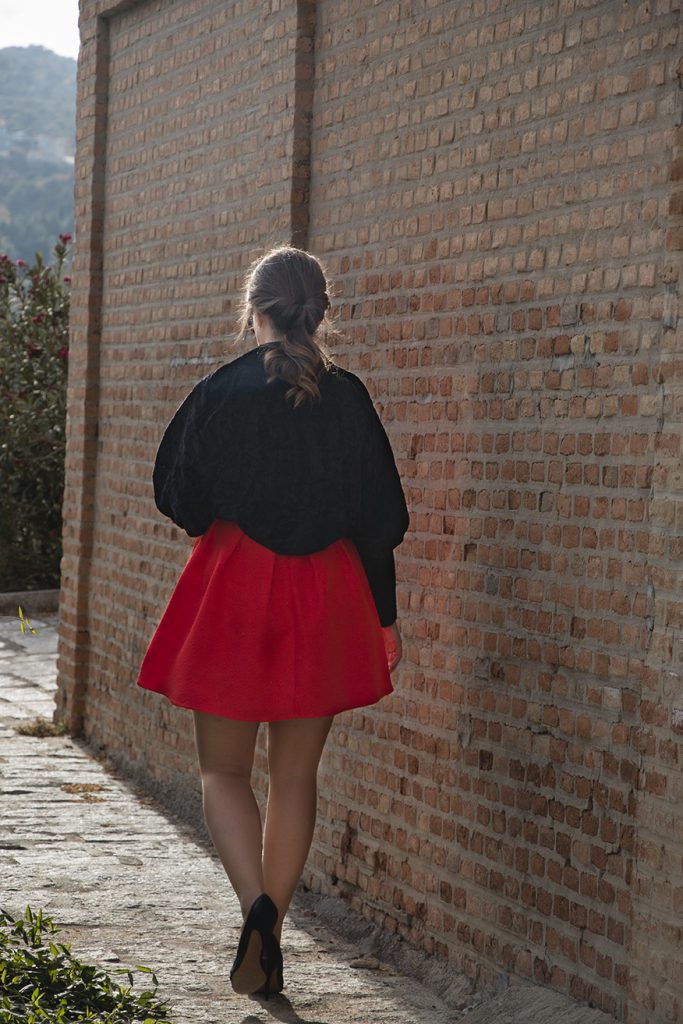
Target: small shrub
<point>41,980</point>
<point>34,348</point>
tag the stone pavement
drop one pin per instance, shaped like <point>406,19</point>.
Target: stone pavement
<point>128,886</point>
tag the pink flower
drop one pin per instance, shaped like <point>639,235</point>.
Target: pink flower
<point>63,352</point>
<point>21,263</point>
<point>65,238</point>
<point>67,280</point>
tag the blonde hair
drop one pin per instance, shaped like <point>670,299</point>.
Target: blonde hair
<point>289,286</point>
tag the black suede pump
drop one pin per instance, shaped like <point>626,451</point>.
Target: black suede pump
<point>256,959</point>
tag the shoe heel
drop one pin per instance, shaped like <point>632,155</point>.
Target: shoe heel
<point>271,962</point>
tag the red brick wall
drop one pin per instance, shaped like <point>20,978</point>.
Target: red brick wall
<point>496,190</point>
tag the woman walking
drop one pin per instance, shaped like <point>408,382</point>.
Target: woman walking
<point>285,612</point>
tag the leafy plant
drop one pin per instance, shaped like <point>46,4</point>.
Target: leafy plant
<point>41,980</point>
<point>34,348</point>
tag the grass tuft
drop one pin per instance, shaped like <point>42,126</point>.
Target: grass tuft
<point>41,727</point>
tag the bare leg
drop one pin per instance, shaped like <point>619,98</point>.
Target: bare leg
<point>225,749</point>
<point>294,750</point>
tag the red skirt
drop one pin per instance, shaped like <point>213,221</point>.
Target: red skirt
<point>259,637</point>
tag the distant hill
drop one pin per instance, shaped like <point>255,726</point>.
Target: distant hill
<point>37,145</point>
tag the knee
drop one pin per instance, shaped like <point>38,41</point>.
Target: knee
<point>213,775</point>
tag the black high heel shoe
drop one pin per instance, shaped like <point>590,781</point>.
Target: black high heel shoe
<point>274,979</point>
<point>253,968</point>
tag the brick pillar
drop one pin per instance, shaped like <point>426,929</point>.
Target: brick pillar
<point>83,383</point>
<point>654,942</point>
<point>304,65</point>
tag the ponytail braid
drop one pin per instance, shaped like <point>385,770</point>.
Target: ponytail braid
<point>289,286</point>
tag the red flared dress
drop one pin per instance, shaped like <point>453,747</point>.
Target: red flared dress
<point>252,635</point>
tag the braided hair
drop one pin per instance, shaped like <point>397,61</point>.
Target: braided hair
<point>289,286</point>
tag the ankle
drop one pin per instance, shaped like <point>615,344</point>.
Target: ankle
<point>247,900</point>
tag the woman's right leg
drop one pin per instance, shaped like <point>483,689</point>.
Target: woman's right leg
<point>225,749</point>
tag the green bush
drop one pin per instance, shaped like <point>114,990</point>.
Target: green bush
<point>42,981</point>
<point>34,348</point>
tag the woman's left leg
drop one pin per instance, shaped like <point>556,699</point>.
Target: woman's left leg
<point>294,750</point>
<point>225,749</point>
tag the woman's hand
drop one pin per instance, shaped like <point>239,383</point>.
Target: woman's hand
<point>392,645</point>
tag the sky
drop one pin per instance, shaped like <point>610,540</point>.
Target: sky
<point>50,23</point>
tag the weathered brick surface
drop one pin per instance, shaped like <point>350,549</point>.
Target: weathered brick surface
<point>495,188</point>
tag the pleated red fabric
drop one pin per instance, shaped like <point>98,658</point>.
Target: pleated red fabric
<point>257,636</point>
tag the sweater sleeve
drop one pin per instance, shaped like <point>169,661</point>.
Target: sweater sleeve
<point>383,518</point>
<point>380,570</point>
<point>179,476</point>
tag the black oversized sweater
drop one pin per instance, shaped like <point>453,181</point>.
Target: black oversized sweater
<point>293,479</point>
